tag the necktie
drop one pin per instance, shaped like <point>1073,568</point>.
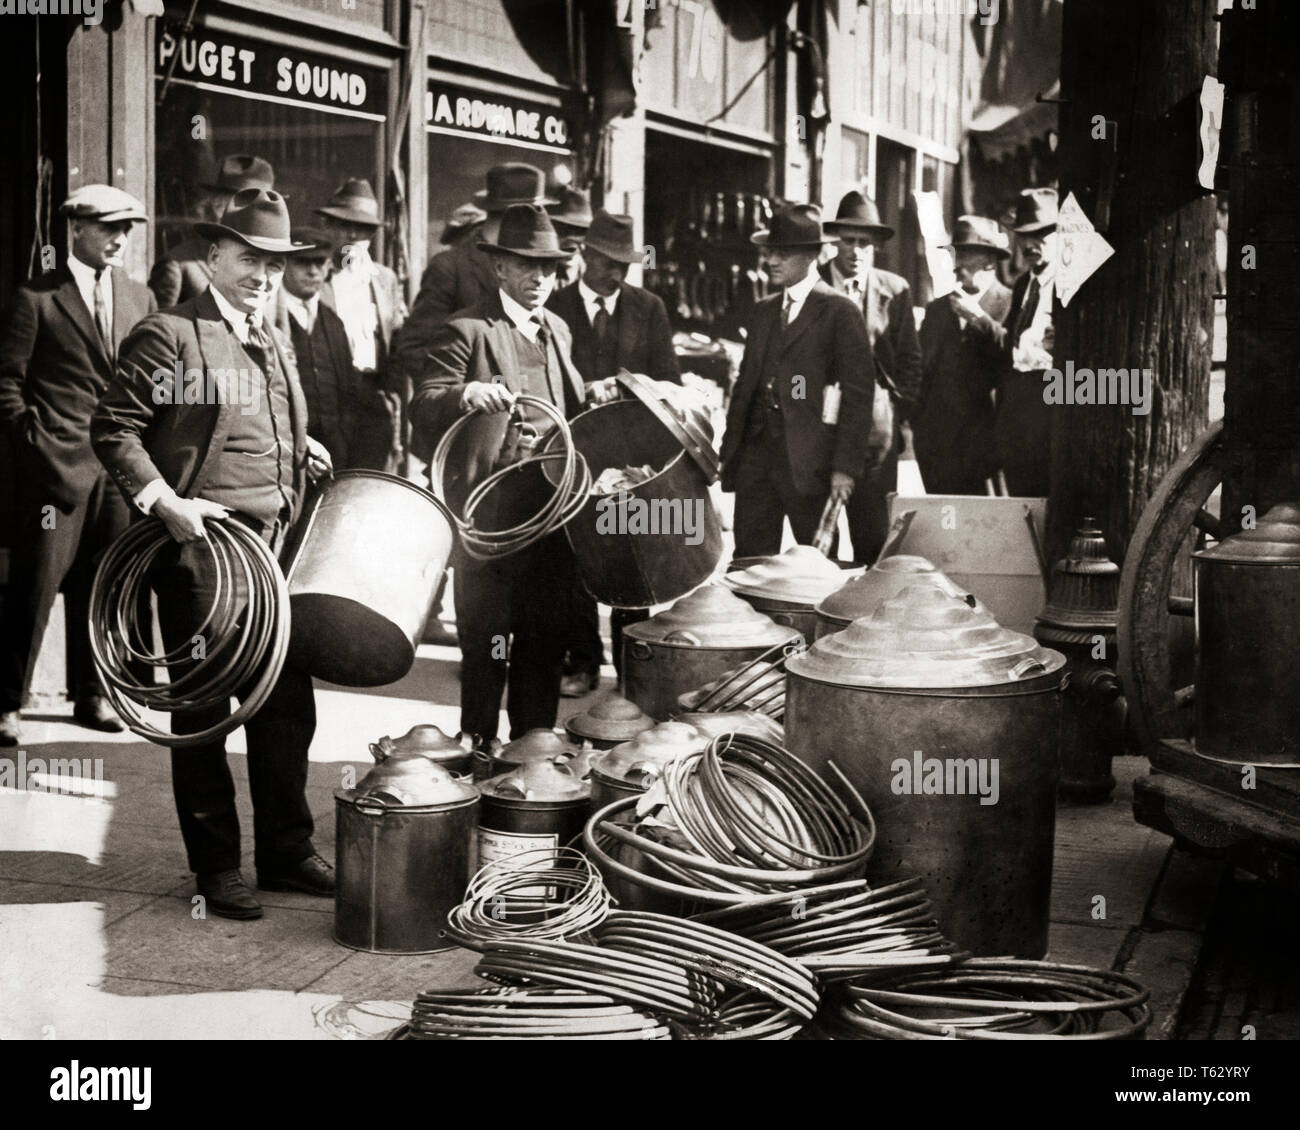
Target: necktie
<point>102,321</point>
<point>1027,310</point>
<point>787,310</point>
<point>600,323</point>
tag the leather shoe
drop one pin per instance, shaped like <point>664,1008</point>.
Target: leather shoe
<point>313,876</point>
<point>579,684</point>
<point>228,895</point>
<point>95,714</point>
<point>10,728</point>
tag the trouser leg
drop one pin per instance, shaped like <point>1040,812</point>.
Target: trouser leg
<point>759,513</point>
<point>537,653</point>
<point>481,591</point>
<point>279,737</point>
<point>868,510</point>
<point>586,652</point>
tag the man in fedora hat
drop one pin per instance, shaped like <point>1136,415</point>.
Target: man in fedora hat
<point>885,300</point>
<point>1022,426</point>
<point>780,454</point>
<point>367,296</point>
<point>571,217</point>
<point>238,452</point>
<point>56,357</point>
<point>510,613</point>
<point>463,275</point>
<point>342,410</point>
<point>463,222</point>
<point>616,327</point>
<point>952,426</point>
<point>183,272</point>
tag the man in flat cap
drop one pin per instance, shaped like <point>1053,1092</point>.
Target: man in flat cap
<point>367,297</point>
<point>885,300</point>
<point>462,223</point>
<point>56,358</point>
<point>182,273</point>
<point>240,452</point>
<point>779,454</point>
<point>511,612</point>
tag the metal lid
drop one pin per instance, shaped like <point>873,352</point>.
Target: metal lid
<point>1085,585</point>
<point>749,722</point>
<point>925,638</point>
<point>1275,540</point>
<point>538,781</point>
<point>408,780</point>
<point>537,745</point>
<point>427,740</point>
<point>711,616</point>
<point>640,760</point>
<point>612,718</point>
<point>800,575</point>
<point>862,595</point>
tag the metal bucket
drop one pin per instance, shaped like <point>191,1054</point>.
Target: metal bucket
<point>623,564</point>
<point>364,563</point>
<point>538,805</point>
<point>974,699</point>
<point>401,866</point>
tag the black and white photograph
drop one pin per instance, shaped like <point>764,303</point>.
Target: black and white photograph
<point>676,520</point>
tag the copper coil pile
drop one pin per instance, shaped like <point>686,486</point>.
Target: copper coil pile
<point>739,819</point>
<point>543,893</point>
<point>521,1014</point>
<point>758,685</point>
<point>842,929</point>
<point>987,998</point>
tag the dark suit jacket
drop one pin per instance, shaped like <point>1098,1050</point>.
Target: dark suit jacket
<point>139,439</point>
<point>826,344</point>
<point>182,273</point>
<point>645,340</point>
<point>53,368</point>
<point>477,345</point>
<point>455,279</point>
<point>891,326</point>
<point>338,358</point>
<point>952,427</point>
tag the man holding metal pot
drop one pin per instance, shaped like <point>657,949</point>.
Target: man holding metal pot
<point>510,610</point>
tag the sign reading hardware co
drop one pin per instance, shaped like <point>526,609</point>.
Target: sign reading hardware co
<point>249,67</point>
<point>474,113</point>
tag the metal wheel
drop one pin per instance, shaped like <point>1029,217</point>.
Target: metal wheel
<point>1156,570</point>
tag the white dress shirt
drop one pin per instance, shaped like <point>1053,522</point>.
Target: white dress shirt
<point>590,298</point>
<point>84,277</point>
<point>1029,353</point>
<point>522,317</point>
<point>302,310</point>
<point>852,285</point>
<point>354,301</point>
<point>795,296</point>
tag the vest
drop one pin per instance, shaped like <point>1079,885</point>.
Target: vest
<point>765,408</point>
<point>321,387</point>
<point>534,364</point>
<point>254,475</point>
<point>593,361</point>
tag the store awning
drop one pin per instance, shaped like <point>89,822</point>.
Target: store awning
<point>1021,53</point>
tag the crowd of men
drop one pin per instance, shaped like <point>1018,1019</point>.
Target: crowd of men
<point>529,296</point>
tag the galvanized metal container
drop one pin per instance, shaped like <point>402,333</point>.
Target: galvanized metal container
<point>931,684</point>
<point>537,805</point>
<point>862,594</point>
<point>535,746</point>
<point>1247,705</point>
<point>403,843</point>
<point>453,754</point>
<point>788,586</point>
<point>695,641</point>
<point>611,721</point>
<point>364,562</point>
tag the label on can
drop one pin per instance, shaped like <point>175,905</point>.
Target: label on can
<point>494,845</point>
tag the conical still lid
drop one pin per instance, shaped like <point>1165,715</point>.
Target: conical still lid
<point>650,751</point>
<point>612,718</point>
<point>1275,540</point>
<point>537,745</point>
<point>711,616</point>
<point>1085,584</point>
<point>538,781</point>
<point>409,780</point>
<point>800,575</point>
<point>924,638</point>
<point>864,593</point>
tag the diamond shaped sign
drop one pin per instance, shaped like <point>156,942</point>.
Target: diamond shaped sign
<point>1082,249</point>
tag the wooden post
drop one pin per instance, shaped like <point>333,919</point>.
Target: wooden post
<point>1131,75</point>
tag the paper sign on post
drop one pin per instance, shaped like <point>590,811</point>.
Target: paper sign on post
<point>1082,249</point>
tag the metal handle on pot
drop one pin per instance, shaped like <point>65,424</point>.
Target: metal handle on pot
<point>639,649</point>
<point>681,635</point>
<point>1025,666</point>
<point>513,788</point>
<point>646,771</point>
<point>371,805</point>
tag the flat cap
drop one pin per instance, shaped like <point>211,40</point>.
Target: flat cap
<point>104,203</point>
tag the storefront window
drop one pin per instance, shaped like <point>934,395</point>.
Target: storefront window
<point>317,120</point>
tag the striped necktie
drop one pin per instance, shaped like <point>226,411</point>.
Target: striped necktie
<point>103,322</point>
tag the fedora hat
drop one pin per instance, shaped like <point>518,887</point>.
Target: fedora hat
<point>464,217</point>
<point>857,213</point>
<point>1035,211</point>
<point>354,203</point>
<point>573,210</point>
<point>514,183</point>
<point>239,171</point>
<point>258,217</point>
<point>316,244</point>
<point>611,235</point>
<point>982,233</point>
<point>104,203</point>
<point>799,225</point>
<point>527,231</point>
